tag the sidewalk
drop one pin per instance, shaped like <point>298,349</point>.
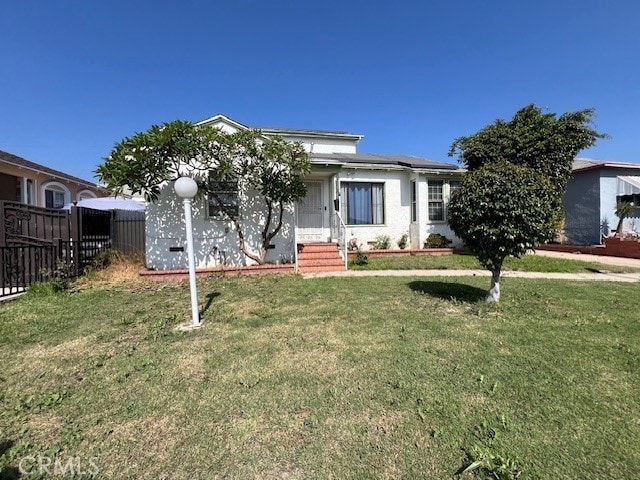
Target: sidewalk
<point>583,257</point>
<point>606,277</point>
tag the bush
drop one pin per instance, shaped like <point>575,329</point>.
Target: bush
<point>382,242</point>
<point>402,243</point>
<point>435,240</point>
<point>106,259</point>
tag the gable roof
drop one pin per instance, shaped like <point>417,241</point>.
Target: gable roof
<point>583,164</point>
<point>381,161</point>
<point>12,159</point>
<point>290,132</point>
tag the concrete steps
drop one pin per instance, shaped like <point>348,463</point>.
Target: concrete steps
<point>319,257</point>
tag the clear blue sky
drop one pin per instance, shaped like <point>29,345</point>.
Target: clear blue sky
<point>78,76</point>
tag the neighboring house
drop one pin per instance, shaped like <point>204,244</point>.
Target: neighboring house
<point>373,194</point>
<point>591,197</point>
<point>27,182</point>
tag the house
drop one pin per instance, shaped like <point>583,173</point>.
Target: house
<point>349,195</point>
<point>27,182</point>
<point>591,197</point>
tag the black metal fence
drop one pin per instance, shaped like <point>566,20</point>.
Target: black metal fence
<point>35,242</point>
<point>128,231</point>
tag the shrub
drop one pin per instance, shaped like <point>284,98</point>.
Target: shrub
<point>435,240</point>
<point>382,242</point>
<point>402,243</point>
<point>106,259</point>
<point>361,258</point>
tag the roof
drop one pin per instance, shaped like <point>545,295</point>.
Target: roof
<point>296,132</point>
<point>380,160</point>
<point>24,163</point>
<point>582,164</point>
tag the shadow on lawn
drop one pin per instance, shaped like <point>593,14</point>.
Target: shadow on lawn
<point>449,290</point>
<point>8,473</point>
<point>210,298</point>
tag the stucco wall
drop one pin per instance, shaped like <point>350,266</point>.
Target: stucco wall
<point>397,215</point>
<point>608,197</point>
<point>397,203</point>
<point>215,240</point>
<point>41,179</point>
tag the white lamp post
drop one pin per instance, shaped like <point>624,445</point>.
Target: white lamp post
<point>186,188</point>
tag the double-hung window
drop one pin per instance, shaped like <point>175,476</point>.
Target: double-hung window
<point>223,198</point>
<point>362,203</point>
<point>435,200</point>
<point>414,201</point>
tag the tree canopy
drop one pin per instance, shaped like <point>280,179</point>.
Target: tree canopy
<point>270,166</point>
<point>544,142</point>
<point>511,198</point>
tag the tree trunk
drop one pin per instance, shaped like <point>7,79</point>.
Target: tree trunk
<point>494,294</point>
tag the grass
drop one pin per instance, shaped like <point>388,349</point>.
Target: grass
<point>528,263</point>
<point>325,378</point>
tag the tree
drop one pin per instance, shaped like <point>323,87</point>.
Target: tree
<point>269,167</point>
<point>510,199</point>
<point>623,210</point>
<point>502,209</point>
<point>542,141</point>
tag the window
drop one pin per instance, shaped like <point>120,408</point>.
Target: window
<point>453,186</point>
<point>53,198</point>
<point>225,200</point>
<point>435,200</point>
<point>414,201</point>
<point>362,203</point>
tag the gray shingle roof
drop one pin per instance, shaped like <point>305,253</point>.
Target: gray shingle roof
<point>381,159</point>
<point>22,162</point>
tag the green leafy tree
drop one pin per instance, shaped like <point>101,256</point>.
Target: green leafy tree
<point>510,200</point>
<point>503,209</point>
<point>269,167</point>
<point>542,141</point>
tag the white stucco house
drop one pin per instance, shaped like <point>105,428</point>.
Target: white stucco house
<point>349,195</point>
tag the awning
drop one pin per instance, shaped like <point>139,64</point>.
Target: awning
<point>108,203</point>
<point>628,186</point>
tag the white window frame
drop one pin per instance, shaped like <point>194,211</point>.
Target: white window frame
<point>344,203</point>
<point>431,182</point>
<point>55,187</point>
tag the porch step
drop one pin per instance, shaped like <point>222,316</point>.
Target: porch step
<point>319,257</point>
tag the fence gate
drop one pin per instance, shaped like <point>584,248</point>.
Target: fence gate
<point>29,243</point>
<point>92,234</point>
<point>34,240</point>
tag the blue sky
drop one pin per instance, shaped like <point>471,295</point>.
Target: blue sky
<point>78,76</point>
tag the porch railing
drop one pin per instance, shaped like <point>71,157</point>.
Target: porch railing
<point>339,232</point>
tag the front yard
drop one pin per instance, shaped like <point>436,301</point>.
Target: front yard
<point>326,378</point>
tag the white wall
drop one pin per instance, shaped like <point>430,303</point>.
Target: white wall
<point>212,237</point>
<point>397,204</point>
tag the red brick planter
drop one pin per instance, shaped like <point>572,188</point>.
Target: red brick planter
<point>613,247</point>
<point>619,247</point>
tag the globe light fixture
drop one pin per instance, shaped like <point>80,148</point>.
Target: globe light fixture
<point>186,188</point>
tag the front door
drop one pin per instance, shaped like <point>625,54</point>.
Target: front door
<point>311,213</point>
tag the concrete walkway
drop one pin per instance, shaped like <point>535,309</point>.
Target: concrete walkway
<point>587,276</point>
<point>583,257</point>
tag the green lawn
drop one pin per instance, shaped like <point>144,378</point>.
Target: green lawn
<point>528,263</point>
<point>325,378</point>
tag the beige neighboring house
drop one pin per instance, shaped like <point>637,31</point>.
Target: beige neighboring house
<point>27,182</point>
